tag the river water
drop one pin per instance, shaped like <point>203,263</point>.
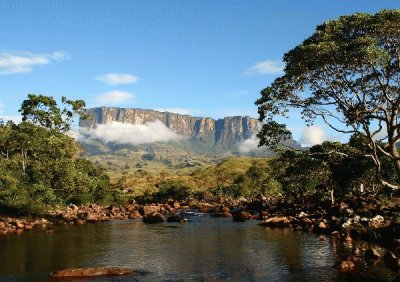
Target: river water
<point>204,249</point>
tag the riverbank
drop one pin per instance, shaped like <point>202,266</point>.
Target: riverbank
<point>365,218</point>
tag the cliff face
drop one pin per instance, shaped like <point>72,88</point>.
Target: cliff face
<point>223,133</point>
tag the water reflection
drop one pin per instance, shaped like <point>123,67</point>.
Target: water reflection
<point>205,249</point>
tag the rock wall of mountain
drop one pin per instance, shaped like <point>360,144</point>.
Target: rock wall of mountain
<point>226,132</point>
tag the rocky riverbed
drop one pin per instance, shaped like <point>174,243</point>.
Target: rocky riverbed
<point>358,217</point>
<point>365,218</point>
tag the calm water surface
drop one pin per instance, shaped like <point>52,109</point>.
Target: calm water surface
<point>205,249</point>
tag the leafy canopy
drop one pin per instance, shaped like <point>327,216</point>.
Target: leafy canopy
<point>44,111</point>
<point>347,73</point>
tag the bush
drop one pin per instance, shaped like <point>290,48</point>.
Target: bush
<point>172,190</point>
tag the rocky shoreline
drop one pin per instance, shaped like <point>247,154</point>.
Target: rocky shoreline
<point>365,218</point>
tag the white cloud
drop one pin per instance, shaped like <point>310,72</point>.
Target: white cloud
<point>15,119</point>
<point>249,145</point>
<point>180,111</point>
<point>117,78</point>
<point>126,133</point>
<point>266,67</point>
<point>313,135</point>
<point>11,63</point>
<point>114,97</point>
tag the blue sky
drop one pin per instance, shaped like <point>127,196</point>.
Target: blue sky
<point>204,58</point>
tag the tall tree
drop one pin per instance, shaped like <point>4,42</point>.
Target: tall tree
<point>348,74</point>
<point>44,111</point>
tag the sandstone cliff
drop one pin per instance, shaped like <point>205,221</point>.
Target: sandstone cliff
<point>204,132</point>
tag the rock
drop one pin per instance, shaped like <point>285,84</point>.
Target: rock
<point>176,205</point>
<point>322,238</point>
<point>241,216</point>
<point>19,224</point>
<point>134,214</point>
<point>302,214</point>
<point>322,225</point>
<point>79,221</point>
<point>221,214</point>
<point>225,209</point>
<point>174,218</point>
<point>223,132</point>
<point>91,272</point>
<point>150,210</point>
<point>346,264</point>
<point>153,218</point>
<point>348,239</point>
<point>91,217</point>
<point>68,217</point>
<point>371,254</point>
<point>73,207</point>
<point>263,215</point>
<point>276,221</point>
<point>391,261</point>
<point>357,252</point>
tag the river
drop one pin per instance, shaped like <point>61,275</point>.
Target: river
<point>204,249</point>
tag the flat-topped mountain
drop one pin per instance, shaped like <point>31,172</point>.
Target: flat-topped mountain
<point>223,133</point>
<point>204,140</point>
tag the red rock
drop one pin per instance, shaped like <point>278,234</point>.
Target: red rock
<point>241,216</point>
<point>91,272</point>
<point>90,217</point>
<point>19,224</point>
<point>134,214</point>
<point>176,205</point>
<point>276,221</point>
<point>150,209</point>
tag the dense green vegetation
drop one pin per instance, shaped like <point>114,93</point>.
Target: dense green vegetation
<point>332,170</point>
<point>346,74</point>
<point>40,166</point>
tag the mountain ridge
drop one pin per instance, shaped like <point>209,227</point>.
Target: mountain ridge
<point>223,133</point>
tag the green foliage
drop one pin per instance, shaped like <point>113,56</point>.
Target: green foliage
<point>44,111</point>
<point>173,189</point>
<point>347,74</point>
<point>40,165</point>
<point>331,166</point>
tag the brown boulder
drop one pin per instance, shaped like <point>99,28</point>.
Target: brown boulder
<point>90,217</point>
<point>241,216</point>
<point>91,272</point>
<point>19,224</point>
<point>150,209</point>
<point>176,218</point>
<point>134,214</point>
<point>153,218</point>
<point>276,221</point>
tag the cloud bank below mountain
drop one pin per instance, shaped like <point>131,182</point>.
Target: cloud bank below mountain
<point>128,134</point>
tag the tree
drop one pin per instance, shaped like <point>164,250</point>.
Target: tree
<point>348,74</point>
<point>44,111</point>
